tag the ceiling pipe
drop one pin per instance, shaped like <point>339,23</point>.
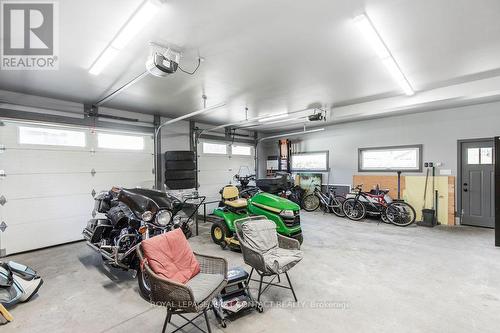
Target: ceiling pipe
<point>291,134</point>
<point>189,115</point>
<point>169,122</point>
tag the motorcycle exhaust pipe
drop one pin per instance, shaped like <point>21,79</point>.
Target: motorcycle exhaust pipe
<point>103,253</point>
<point>107,256</point>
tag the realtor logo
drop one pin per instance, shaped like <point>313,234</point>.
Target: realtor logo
<point>29,35</point>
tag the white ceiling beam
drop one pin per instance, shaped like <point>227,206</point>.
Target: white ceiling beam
<point>464,93</point>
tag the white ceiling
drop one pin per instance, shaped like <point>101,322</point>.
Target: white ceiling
<point>271,56</point>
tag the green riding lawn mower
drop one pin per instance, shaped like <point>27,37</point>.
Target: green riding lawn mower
<point>283,212</point>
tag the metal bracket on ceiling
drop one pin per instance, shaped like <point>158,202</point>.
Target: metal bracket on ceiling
<point>2,174</point>
<point>3,226</point>
<point>93,193</point>
<point>93,172</point>
<point>90,110</point>
<point>2,148</point>
<point>3,200</point>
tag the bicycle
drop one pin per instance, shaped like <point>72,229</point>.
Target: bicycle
<point>329,202</point>
<point>380,203</point>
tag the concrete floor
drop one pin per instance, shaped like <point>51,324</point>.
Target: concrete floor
<point>370,278</point>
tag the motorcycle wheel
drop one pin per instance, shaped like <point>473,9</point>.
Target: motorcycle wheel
<point>354,210</point>
<point>310,203</point>
<point>338,210</point>
<point>144,286</point>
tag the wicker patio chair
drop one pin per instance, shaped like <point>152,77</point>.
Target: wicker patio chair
<point>193,297</point>
<point>267,252</point>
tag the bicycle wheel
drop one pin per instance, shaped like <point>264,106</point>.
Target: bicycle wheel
<point>354,210</point>
<point>400,214</point>
<point>310,202</point>
<point>324,208</point>
<point>337,206</point>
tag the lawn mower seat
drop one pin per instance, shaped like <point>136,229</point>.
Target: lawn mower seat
<point>231,197</point>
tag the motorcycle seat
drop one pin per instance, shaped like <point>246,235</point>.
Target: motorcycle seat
<point>236,203</point>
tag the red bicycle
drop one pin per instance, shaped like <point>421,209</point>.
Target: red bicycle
<point>358,204</point>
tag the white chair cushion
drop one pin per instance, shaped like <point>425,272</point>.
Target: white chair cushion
<point>203,285</point>
<point>260,234</point>
<point>280,260</point>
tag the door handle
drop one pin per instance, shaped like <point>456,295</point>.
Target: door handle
<point>466,190</point>
<point>465,184</point>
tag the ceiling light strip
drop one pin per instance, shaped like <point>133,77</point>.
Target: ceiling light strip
<point>144,13</point>
<point>371,34</point>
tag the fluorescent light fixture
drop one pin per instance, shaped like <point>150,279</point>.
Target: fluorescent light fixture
<point>104,59</point>
<point>144,13</point>
<point>372,36</point>
<point>271,118</point>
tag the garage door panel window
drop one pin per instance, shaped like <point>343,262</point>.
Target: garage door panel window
<point>241,150</point>
<point>121,142</point>
<point>314,161</point>
<point>400,158</point>
<point>51,137</point>
<point>214,148</point>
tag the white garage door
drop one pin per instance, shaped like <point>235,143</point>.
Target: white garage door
<point>218,162</point>
<point>51,173</point>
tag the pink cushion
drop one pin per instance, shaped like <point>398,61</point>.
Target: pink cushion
<point>170,256</point>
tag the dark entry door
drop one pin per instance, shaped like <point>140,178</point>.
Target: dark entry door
<point>478,184</point>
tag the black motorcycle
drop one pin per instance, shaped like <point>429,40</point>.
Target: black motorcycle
<point>131,215</point>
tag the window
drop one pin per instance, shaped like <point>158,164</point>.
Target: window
<point>241,150</point>
<point>51,137</point>
<point>214,148</point>
<point>314,161</point>
<point>118,141</point>
<point>480,155</point>
<point>399,158</point>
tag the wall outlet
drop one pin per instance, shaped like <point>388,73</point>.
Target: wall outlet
<point>445,172</point>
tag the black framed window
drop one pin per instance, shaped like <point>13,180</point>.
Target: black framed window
<point>394,158</point>
<point>310,161</point>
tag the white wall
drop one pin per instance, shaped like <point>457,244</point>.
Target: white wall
<point>438,131</point>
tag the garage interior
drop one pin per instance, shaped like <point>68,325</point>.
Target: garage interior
<point>226,166</point>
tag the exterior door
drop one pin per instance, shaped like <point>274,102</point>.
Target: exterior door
<point>478,184</point>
